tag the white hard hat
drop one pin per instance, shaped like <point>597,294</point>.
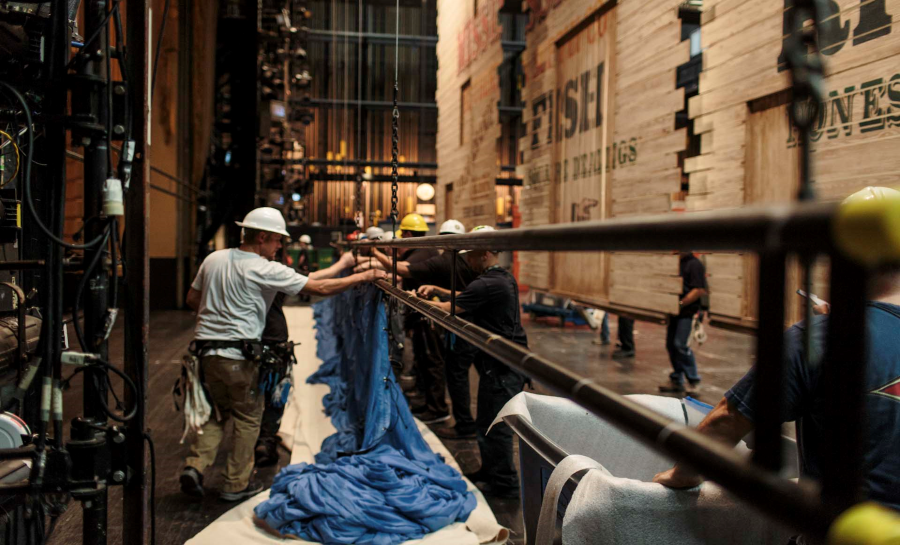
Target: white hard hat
<point>452,227</point>
<point>305,239</point>
<point>374,233</point>
<point>479,228</point>
<point>265,219</point>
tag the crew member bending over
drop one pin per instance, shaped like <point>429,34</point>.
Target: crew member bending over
<point>491,302</point>
<point>231,294</point>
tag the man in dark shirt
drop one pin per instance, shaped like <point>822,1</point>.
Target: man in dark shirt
<point>491,302</point>
<point>276,332</point>
<point>438,271</point>
<point>684,365</point>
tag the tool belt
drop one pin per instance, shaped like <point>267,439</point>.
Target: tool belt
<point>275,368</point>
<point>252,349</point>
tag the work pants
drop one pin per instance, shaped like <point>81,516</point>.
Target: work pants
<point>497,385</point>
<point>233,387</point>
<point>429,366</point>
<point>459,359</point>
<point>684,365</point>
<point>271,417</point>
<point>626,333</point>
<point>271,423</point>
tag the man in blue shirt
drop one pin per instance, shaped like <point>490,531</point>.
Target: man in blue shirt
<point>806,403</point>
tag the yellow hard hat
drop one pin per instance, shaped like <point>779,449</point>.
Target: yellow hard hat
<point>414,222</point>
<point>867,226</point>
<point>871,193</point>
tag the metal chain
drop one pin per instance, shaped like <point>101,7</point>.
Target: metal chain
<point>804,60</point>
<point>395,152</point>
<point>395,128</point>
<point>395,145</point>
<point>360,220</point>
<point>805,63</point>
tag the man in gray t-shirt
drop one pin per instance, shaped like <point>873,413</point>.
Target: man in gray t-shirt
<point>231,294</point>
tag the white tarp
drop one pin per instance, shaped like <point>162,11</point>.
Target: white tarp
<point>618,502</point>
<point>304,426</point>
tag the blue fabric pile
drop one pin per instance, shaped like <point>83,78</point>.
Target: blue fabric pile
<point>375,481</point>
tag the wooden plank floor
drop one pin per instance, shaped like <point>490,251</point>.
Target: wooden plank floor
<point>178,518</point>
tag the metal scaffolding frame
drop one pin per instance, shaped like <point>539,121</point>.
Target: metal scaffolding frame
<point>774,232</point>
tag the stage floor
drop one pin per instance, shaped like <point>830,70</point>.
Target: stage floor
<point>722,360</point>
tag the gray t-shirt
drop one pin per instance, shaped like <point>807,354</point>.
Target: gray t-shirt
<point>237,289</point>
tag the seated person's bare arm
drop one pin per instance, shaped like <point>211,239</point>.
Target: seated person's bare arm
<point>725,424</point>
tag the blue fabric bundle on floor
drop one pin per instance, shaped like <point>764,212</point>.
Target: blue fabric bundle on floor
<point>375,481</point>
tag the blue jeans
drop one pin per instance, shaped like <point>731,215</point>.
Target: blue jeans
<point>604,328</point>
<point>680,355</point>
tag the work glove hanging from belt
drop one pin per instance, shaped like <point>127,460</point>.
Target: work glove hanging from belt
<point>197,409</point>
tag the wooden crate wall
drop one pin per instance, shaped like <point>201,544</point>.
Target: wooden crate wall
<point>646,172</point>
<point>638,162</point>
<point>472,166</point>
<point>747,145</point>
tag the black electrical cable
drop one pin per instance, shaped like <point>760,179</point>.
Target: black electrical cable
<point>49,532</point>
<point>152,487</point>
<point>90,40</point>
<point>109,106</point>
<point>80,290</point>
<point>26,182</point>
<point>119,405</point>
<point>103,405</point>
<point>114,248</point>
<point>162,32</point>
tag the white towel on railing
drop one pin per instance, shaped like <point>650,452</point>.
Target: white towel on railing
<point>608,509</point>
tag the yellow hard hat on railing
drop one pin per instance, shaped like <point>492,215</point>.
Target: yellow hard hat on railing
<point>414,222</point>
<point>867,227</point>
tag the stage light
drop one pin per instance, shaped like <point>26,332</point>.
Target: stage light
<point>425,192</point>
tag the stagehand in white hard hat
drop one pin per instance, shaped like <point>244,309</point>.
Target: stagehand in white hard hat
<point>265,219</point>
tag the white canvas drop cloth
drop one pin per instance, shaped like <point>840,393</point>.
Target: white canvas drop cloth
<point>304,426</point>
<point>618,503</point>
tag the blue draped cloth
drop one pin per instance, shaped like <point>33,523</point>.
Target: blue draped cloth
<point>375,480</point>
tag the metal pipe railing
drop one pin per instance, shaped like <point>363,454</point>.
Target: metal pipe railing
<point>779,498</point>
<point>791,227</point>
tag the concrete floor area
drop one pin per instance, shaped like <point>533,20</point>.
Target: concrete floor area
<point>722,360</point>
